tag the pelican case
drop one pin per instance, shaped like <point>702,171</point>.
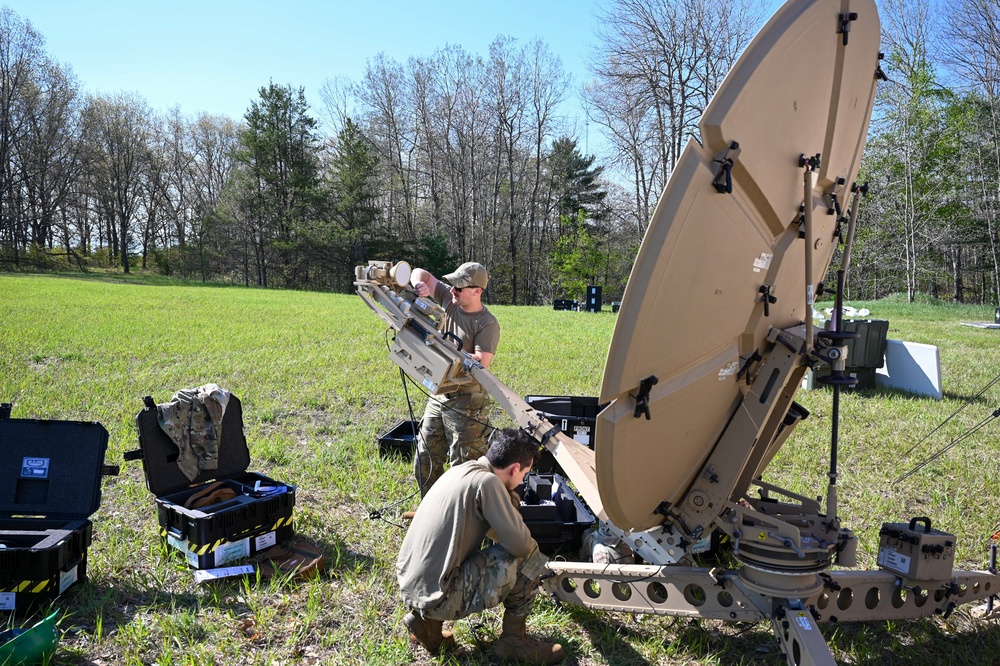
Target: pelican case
<point>50,485</point>
<point>553,513</point>
<point>574,415</point>
<point>255,515</point>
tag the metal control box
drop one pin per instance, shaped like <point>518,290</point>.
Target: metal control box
<point>916,551</point>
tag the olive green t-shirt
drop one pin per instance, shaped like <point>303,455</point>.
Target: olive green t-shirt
<point>466,502</point>
<point>478,331</point>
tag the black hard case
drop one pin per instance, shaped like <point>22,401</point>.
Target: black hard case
<point>554,515</point>
<point>399,440</point>
<point>222,532</point>
<point>50,485</point>
<point>574,415</point>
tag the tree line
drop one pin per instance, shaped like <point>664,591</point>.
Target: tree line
<point>458,156</point>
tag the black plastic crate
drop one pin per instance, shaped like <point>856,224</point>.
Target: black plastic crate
<point>256,517</point>
<point>564,304</point>
<point>400,440</point>
<point>558,522</point>
<point>576,416</point>
<point>50,485</point>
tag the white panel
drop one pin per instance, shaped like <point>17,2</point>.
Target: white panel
<point>911,366</point>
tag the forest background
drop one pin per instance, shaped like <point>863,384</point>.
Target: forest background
<point>459,156</point>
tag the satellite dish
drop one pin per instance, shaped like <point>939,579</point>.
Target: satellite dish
<point>723,238</point>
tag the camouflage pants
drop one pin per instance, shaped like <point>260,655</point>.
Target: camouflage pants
<point>486,579</point>
<point>453,430</point>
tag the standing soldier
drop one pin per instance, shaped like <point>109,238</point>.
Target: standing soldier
<point>454,423</point>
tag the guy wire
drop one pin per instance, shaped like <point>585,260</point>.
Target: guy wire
<point>957,440</point>
<point>953,414</point>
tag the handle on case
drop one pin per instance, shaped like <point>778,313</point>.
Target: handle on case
<point>922,519</point>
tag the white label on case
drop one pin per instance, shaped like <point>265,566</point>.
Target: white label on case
<point>7,601</point>
<point>183,547</point>
<point>35,468</point>
<point>265,541</point>
<point>67,578</point>
<point>230,552</point>
<point>893,560</point>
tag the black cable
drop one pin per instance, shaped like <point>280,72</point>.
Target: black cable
<point>449,408</point>
<point>376,514</point>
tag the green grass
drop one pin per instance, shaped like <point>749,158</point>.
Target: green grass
<point>317,388</point>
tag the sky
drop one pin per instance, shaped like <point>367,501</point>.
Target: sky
<point>214,55</point>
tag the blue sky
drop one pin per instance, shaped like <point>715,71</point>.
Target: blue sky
<point>214,55</point>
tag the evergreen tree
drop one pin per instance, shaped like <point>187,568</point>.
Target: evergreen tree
<point>576,180</point>
<point>278,160</point>
<point>353,211</point>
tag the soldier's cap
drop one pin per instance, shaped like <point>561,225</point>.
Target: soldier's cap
<point>469,274</point>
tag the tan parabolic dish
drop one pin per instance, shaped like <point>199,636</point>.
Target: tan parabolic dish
<point>692,307</point>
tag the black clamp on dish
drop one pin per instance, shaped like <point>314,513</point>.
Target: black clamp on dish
<point>768,298</point>
<point>844,24</point>
<point>723,181</point>
<point>148,402</point>
<point>552,432</point>
<point>811,163</point>
<point>642,398</point>
<point>5,411</point>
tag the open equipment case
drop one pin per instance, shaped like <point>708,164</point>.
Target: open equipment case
<point>553,513</point>
<point>50,485</point>
<point>255,514</point>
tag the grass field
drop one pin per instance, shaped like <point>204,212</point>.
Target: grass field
<point>317,388</point>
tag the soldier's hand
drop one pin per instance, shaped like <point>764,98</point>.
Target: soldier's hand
<point>515,499</point>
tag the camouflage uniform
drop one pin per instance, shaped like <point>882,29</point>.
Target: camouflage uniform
<point>453,430</point>
<point>483,581</point>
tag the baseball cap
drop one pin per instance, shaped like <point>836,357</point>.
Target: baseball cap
<point>469,274</point>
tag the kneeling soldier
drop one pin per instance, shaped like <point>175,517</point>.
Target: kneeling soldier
<point>443,574</point>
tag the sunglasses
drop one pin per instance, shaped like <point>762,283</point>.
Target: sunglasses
<point>458,290</point>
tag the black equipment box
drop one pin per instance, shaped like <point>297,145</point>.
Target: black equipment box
<point>400,440</point>
<point>564,304</point>
<point>555,516</point>
<point>50,485</point>
<point>594,298</point>
<point>574,415</point>
<point>254,512</point>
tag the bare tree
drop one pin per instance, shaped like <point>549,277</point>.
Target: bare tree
<point>656,68</point>
<point>118,126</point>
<point>48,154</point>
<point>21,55</point>
<point>971,47</point>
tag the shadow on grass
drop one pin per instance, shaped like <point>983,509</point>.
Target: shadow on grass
<point>915,642</point>
<point>98,608</point>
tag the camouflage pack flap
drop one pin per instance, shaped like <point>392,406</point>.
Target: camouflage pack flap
<point>193,419</point>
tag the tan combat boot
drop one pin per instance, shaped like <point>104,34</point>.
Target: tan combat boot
<point>514,643</point>
<point>428,633</point>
